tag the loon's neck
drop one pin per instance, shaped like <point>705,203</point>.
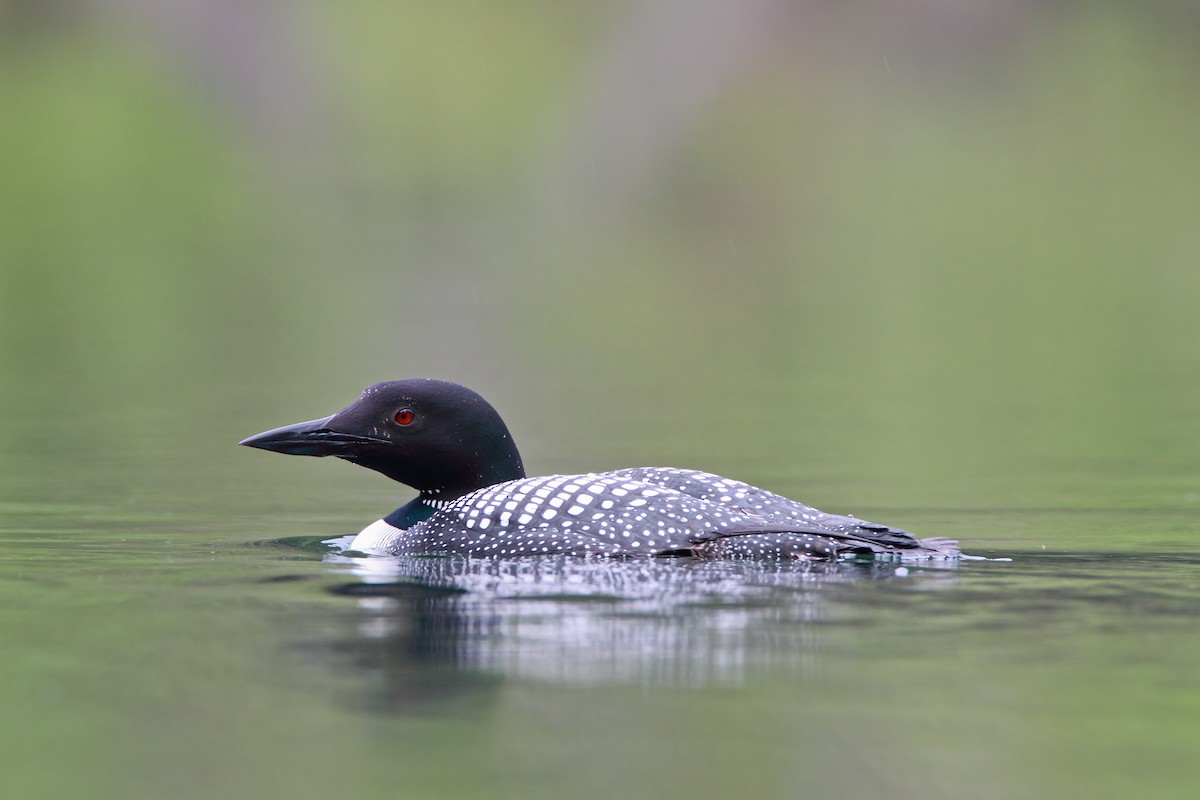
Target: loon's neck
<point>419,509</point>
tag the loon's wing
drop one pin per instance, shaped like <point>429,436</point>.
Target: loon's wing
<point>587,514</point>
<point>783,513</point>
<point>612,514</point>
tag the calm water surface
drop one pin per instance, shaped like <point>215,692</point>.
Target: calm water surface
<point>202,657</point>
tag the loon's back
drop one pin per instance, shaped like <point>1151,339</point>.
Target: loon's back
<point>639,511</point>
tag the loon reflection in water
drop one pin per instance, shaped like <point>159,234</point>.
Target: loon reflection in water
<point>580,621</point>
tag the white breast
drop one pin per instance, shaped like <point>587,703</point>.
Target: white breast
<point>375,538</point>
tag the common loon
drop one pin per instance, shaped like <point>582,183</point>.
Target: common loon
<point>451,445</point>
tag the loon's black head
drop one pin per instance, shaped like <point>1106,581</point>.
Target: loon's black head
<point>435,436</point>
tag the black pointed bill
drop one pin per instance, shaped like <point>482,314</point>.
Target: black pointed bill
<point>312,438</point>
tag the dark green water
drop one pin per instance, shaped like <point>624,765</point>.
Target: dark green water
<point>941,273</point>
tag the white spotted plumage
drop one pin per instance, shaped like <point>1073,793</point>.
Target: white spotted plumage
<point>646,511</point>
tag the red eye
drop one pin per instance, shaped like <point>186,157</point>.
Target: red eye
<point>405,416</point>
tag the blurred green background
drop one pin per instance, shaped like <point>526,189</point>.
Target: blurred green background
<point>925,246</point>
<point>927,262</point>
<point>928,245</point>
